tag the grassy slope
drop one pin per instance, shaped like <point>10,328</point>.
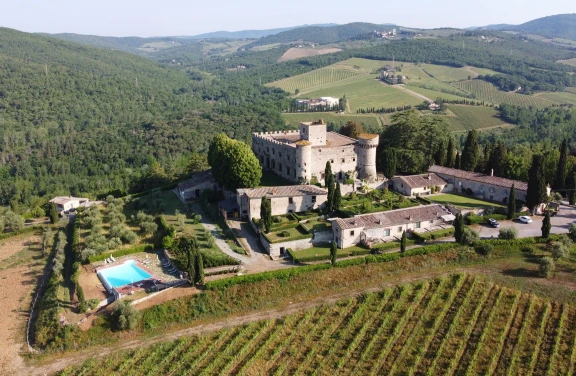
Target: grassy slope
<point>473,117</point>
<point>371,121</point>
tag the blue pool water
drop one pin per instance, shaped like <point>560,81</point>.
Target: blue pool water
<point>124,274</point>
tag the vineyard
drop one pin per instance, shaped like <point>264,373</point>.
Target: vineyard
<point>316,78</point>
<point>448,74</point>
<point>473,117</point>
<point>559,97</point>
<point>568,62</point>
<point>485,91</point>
<point>457,324</point>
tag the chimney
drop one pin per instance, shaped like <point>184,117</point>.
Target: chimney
<point>380,222</point>
<point>429,177</point>
<point>410,218</point>
<point>492,172</point>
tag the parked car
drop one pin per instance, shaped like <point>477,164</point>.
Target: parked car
<point>494,223</point>
<point>525,219</point>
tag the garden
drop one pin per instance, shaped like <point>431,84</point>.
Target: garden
<point>373,202</point>
<point>463,201</point>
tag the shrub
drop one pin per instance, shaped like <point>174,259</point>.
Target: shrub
<point>528,249</point>
<point>469,237</point>
<point>277,219</point>
<point>484,249</point>
<point>124,316</point>
<point>559,250</point>
<point>92,303</point>
<point>508,233</point>
<point>123,252</point>
<point>284,234</point>
<point>547,267</point>
<point>167,242</point>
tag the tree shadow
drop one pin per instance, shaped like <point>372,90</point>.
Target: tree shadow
<point>521,272</point>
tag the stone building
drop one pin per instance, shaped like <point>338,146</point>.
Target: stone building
<point>65,203</point>
<point>192,189</point>
<point>300,156</point>
<point>284,200</point>
<point>387,226</point>
<point>419,184</point>
<point>487,187</point>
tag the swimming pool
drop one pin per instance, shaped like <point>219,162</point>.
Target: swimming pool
<point>123,274</point>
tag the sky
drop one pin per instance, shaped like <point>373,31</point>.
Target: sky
<point>189,17</point>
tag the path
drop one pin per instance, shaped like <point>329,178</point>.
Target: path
<point>402,87</point>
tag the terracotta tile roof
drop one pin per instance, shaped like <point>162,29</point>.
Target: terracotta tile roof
<point>284,191</point>
<point>393,218</point>
<point>197,179</point>
<point>420,181</point>
<point>481,178</point>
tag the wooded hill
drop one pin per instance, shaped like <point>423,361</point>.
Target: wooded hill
<point>558,26</point>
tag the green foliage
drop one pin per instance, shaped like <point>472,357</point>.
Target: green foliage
<point>536,183</point>
<point>560,179</point>
<point>403,242</point>
<point>124,316</point>
<point>511,202</point>
<point>450,153</point>
<point>547,267</point>
<point>388,162</point>
<point>458,228</point>
<point>233,163</point>
<point>352,129</point>
<point>329,183</point>
<point>337,197</point>
<point>432,235</point>
<point>333,253</point>
<point>546,225</point>
<point>53,213</point>
<point>508,233</point>
<point>266,214</point>
<point>469,237</point>
<point>484,249</point>
<point>471,152</point>
<point>122,252</point>
<point>559,250</point>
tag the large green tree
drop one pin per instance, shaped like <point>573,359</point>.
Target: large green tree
<point>337,197</point>
<point>572,191</point>
<point>330,185</point>
<point>471,152</point>
<point>233,163</point>
<point>560,180</point>
<point>388,159</point>
<point>403,242</point>
<point>450,153</point>
<point>199,268</point>
<point>537,191</point>
<point>458,227</point>
<point>266,213</point>
<point>440,157</point>
<point>497,160</point>
<point>546,225</point>
<point>352,129</point>
<point>53,213</point>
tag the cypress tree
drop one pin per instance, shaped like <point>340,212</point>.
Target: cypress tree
<point>546,225</point>
<point>471,152</point>
<point>53,213</point>
<point>199,266</point>
<point>572,193</point>
<point>266,213</point>
<point>403,242</point>
<point>458,227</point>
<point>536,193</point>
<point>560,181</point>
<point>389,163</point>
<point>450,153</point>
<point>329,183</point>
<point>486,158</point>
<point>440,158</point>
<point>497,160</point>
<point>511,202</point>
<point>337,197</point>
<point>457,161</point>
<point>333,253</point>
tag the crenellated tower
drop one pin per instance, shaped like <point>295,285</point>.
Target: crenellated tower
<point>367,145</point>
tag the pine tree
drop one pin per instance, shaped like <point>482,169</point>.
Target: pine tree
<point>333,253</point>
<point>457,161</point>
<point>572,193</point>
<point>450,153</point>
<point>511,202</point>
<point>471,152</point>
<point>537,192</point>
<point>53,213</point>
<point>458,227</point>
<point>440,158</point>
<point>546,225</point>
<point>337,197</point>
<point>330,185</point>
<point>560,181</point>
<point>389,163</point>
<point>403,242</point>
<point>266,214</point>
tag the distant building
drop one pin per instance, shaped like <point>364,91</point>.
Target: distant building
<point>387,226</point>
<point>301,156</point>
<point>284,200</point>
<point>419,184</point>
<point>319,102</point>
<point>65,203</point>
<point>192,189</point>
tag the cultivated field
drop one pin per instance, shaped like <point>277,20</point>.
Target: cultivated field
<point>473,117</point>
<point>568,62</point>
<point>456,324</point>
<point>370,121</point>
<point>448,74</point>
<point>485,91</point>
<point>559,97</point>
<point>297,53</point>
<point>316,78</point>
<point>434,95</point>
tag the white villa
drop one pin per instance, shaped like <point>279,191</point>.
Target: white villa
<point>65,203</point>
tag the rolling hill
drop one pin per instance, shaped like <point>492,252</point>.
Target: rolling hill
<point>250,34</point>
<point>557,26</point>
<point>321,35</point>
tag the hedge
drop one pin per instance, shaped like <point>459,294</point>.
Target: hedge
<point>432,235</point>
<point>423,200</point>
<point>122,252</point>
<point>306,235</point>
<point>274,227</point>
<point>475,219</point>
<point>355,252</point>
<point>305,215</point>
<point>23,231</point>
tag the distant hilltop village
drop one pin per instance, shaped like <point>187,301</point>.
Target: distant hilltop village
<point>300,156</point>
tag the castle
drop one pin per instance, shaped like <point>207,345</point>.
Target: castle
<point>300,156</point>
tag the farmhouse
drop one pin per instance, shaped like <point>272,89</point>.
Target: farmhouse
<point>487,187</point>
<point>193,188</point>
<point>301,156</point>
<point>419,184</point>
<point>284,200</point>
<point>65,203</point>
<point>387,226</point>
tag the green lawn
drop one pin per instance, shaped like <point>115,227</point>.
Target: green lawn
<point>462,201</point>
<point>473,117</point>
<point>270,179</point>
<point>324,251</point>
<point>293,234</point>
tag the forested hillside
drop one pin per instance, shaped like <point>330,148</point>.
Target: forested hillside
<point>81,120</point>
<point>558,26</point>
<point>320,35</point>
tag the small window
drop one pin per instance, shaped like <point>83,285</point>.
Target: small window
<point>343,160</point>
<point>400,229</point>
<point>273,151</point>
<point>267,149</point>
<point>331,160</point>
<point>431,221</point>
<point>288,170</point>
<point>320,150</point>
<point>352,233</point>
<point>353,159</point>
<point>290,200</point>
<point>417,225</point>
<point>288,157</point>
<point>280,167</point>
<point>280,154</point>
<point>313,198</point>
<point>387,232</point>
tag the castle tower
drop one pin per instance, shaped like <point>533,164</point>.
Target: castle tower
<point>314,132</point>
<point>304,160</point>
<point>367,144</point>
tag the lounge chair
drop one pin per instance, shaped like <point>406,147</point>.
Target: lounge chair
<point>112,258</point>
